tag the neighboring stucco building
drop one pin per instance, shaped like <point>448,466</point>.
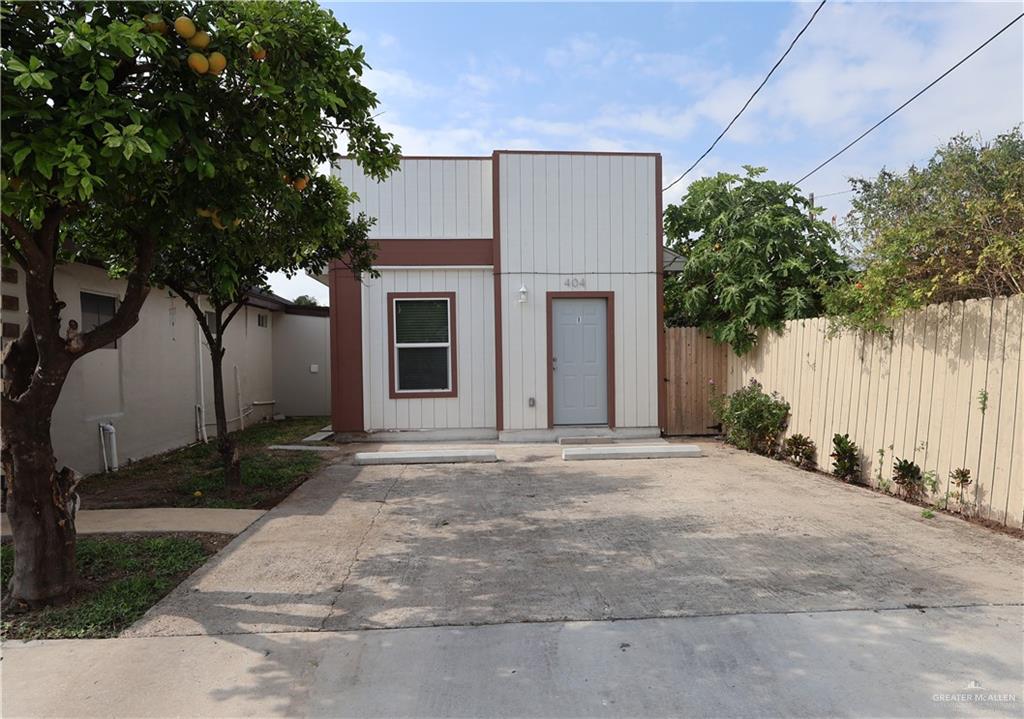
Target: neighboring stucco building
<point>155,386</point>
<point>519,296</point>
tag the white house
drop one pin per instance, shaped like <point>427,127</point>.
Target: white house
<point>152,389</point>
<point>519,297</point>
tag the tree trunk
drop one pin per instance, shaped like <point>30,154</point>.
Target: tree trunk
<point>225,442</point>
<point>41,504</point>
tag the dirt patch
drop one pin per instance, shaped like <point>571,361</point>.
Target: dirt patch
<point>193,477</point>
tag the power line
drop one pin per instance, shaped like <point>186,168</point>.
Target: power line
<point>923,90</point>
<point>833,194</point>
<point>749,99</point>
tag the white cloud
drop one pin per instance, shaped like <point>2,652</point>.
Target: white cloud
<point>398,84</point>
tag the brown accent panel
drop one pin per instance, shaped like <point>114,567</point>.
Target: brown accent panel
<point>346,349</point>
<point>11,330</point>
<point>434,252</point>
<point>453,349</point>
<point>499,364</point>
<point>9,274</point>
<point>659,298</point>
<point>10,302</point>
<point>609,348</point>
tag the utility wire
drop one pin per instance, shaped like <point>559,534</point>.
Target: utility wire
<point>749,99</point>
<point>922,91</point>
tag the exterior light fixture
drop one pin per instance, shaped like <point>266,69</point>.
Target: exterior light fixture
<point>522,295</point>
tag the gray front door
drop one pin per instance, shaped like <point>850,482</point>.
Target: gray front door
<point>579,361</point>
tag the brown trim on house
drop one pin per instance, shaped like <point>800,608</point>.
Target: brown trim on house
<point>609,348</point>
<point>593,153</point>
<point>659,297</point>
<point>434,252</point>
<point>346,313</point>
<point>452,346</point>
<point>499,365</point>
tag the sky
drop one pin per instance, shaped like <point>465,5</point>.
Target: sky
<point>470,78</point>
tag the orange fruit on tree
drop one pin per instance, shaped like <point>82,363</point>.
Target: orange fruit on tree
<point>217,63</point>
<point>215,219</point>
<point>300,183</point>
<point>200,40</point>
<point>204,212</point>
<point>258,53</point>
<point>185,27</point>
<point>198,62</point>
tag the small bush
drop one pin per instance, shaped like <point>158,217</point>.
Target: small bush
<point>909,478</point>
<point>962,479</point>
<point>751,419</point>
<point>800,450</point>
<point>845,458</point>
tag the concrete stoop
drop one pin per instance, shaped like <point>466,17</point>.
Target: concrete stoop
<point>437,456</point>
<point>651,451</point>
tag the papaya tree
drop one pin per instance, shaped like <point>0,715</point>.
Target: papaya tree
<point>120,120</point>
<point>755,256</point>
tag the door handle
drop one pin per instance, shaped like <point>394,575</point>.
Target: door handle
<point>554,364</point>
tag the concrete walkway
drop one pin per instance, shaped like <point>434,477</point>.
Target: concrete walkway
<point>159,519</point>
<point>901,663</point>
<point>729,585</point>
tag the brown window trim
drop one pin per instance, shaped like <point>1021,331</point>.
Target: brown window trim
<point>609,297</point>
<point>452,350</point>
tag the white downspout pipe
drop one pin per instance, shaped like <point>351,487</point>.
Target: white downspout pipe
<point>202,385</point>
<point>109,430</point>
<point>238,400</point>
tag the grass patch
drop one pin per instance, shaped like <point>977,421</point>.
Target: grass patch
<point>193,476</point>
<point>120,578</point>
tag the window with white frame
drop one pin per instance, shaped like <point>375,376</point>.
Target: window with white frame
<point>422,344</point>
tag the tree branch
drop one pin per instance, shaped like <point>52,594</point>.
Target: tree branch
<point>29,252</point>
<point>127,313</point>
<point>193,304</point>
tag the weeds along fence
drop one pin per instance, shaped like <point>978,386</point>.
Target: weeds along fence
<point>942,388</point>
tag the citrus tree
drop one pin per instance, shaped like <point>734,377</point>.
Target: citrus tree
<point>952,229</point>
<point>754,257</point>
<point>120,121</point>
<point>275,227</point>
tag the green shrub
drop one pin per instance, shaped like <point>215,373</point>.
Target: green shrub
<point>800,450</point>
<point>845,458</point>
<point>909,478</point>
<point>751,419</point>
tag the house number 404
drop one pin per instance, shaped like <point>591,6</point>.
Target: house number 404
<point>575,282</point>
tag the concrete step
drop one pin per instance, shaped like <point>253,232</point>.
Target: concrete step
<point>437,456</point>
<point>598,439</point>
<point>650,451</point>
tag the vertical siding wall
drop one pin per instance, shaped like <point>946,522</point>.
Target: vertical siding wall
<point>916,395</point>
<point>431,198</point>
<point>588,220</point>
<point>474,407</point>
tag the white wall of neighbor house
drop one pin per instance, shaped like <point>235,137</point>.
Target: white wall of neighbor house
<point>474,406</point>
<point>302,365</point>
<point>148,385</point>
<point>578,223</point>
<point>435,198</point>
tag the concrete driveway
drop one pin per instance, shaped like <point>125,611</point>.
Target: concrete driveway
<point>744,587</point>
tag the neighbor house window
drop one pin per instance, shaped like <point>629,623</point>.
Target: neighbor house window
<point>97,309</point>
<point>262,320</point>
<point>422,331</point>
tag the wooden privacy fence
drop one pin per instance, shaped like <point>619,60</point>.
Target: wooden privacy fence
<point>942,389</point>
<point>693,362</point>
